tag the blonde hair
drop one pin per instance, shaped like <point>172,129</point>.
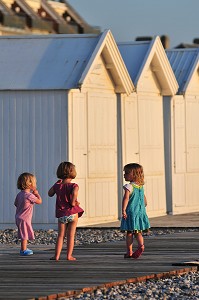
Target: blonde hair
<point>66,170</point>
<point>26,181</point>
<point>138,172</point>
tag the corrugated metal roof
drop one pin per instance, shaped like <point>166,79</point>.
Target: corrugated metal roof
<point>138,56</point>
<point>44,62</point>
<point>183,62</point>
<point>133,54</point>
<point>59,61</point>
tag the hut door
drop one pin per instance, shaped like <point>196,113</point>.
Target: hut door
<point>152,150</point>
<point>130,130</point>
<point>102,156</point>
<point>179,143</point>
<point>79,144</point>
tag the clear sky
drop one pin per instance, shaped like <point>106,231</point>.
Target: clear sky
<point>127,19</point>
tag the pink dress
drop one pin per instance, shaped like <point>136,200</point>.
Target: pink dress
<point>24,203</point>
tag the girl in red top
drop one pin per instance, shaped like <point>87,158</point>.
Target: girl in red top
<point>67,208</point>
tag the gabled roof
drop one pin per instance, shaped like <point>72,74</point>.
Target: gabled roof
<point>58,61</point>
<point>139,56</point>
<point>184,62</point>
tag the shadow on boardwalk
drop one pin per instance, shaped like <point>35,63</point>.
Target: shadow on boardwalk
<point>36,276</point>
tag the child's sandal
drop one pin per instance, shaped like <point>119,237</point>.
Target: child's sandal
<point>138,252</point>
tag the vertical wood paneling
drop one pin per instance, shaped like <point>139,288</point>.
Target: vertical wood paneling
<point>185,175</point>
<point>1,161</point>
<point>130,131</point>
<point>6,162</point>
<point>143,142</point>
<point>31,141</point>
<point>12,155</point>
<point>192,133</point>
<point>94,152</point>
<point>179,135</point>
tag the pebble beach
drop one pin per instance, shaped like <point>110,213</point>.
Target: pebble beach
<point>179,287</point>
<point>83,235</point>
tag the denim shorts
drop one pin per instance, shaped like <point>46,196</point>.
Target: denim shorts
<point>66,219</point>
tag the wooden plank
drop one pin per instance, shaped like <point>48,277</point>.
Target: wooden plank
<point>34,276</point>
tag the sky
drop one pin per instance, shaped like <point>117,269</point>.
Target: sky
<point>128,19</point>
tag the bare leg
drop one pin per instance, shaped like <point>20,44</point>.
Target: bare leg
<point>60,240</point>
<point>23,245</point>
<point>140,248</point>
<point>71,229</point>
<point>129,243</point>
<point>139,239</point>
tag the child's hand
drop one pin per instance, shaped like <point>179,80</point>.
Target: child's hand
<point>124,215</point>
<point>39,199</point>
<point>77,203</point>
<point>36,193</point>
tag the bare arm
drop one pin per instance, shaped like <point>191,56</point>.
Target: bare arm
<point>145,200</point>
<point>125,203</point>
<point>74,196</point>
<point>39,199</point>
<point>51,192</point>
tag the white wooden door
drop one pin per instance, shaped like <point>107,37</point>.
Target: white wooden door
<point>192,142</point>
<point>130,137</point>
<point>93,149</point>
<point>102,156</point>
<point>179,154</point>
<point>192,115</point>
<point>142,122</point>
<point>78,143</point>
<point>151,144</point>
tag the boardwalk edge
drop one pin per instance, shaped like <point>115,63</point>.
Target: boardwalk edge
<point>158,276</point>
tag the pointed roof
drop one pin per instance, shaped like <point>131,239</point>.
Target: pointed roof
<point>139,56</point>
<point>185,63</point>
<point>58,61</point>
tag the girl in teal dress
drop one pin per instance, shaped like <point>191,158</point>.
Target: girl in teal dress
<point>134,217</point>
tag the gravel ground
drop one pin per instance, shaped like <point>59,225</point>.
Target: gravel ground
<point>83,236</point>
<point>184,287</point>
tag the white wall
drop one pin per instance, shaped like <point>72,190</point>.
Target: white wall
<point>33,138</point>
<point>185,154</point>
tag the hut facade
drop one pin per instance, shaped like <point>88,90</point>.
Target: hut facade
<point>58,102</point>
<point>181,114</point>
<point>142,115</point>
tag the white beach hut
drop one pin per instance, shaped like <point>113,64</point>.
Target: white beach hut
<point>181,114</point>
<point>142,115</point>
<point>58,101</point>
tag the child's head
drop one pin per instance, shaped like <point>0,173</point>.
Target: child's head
<point>66,170</point>
<point>134,172</point>
<point>26,181</point>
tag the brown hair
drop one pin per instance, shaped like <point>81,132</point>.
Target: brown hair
<point>25,181</point>
<point>66,170</point>
<point>138,173</point>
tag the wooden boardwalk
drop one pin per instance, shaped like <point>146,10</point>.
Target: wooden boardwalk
<point>37,276</point>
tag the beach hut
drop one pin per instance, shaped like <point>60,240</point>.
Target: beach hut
<point>142,115</point>
<point>58,102</point>
<point>181,114</point>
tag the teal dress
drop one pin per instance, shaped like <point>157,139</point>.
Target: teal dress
<point>137,219</point>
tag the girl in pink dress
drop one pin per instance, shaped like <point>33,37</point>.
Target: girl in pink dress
<point>67,208</point>
<point>24,203</point>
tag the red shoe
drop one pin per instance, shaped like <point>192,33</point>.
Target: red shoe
<point>138,252</point>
